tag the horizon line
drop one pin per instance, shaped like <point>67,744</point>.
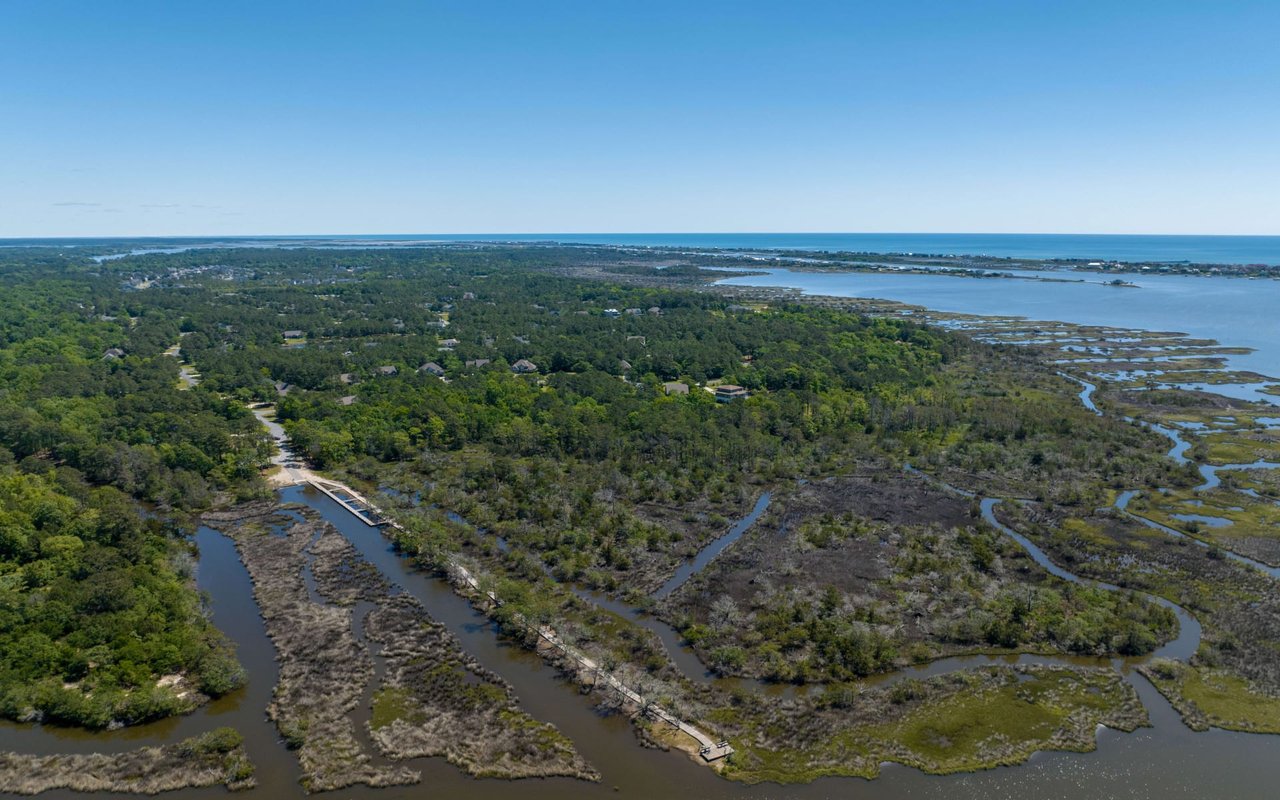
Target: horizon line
<point>515,235</point>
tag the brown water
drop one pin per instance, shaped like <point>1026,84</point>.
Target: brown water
<point>1166,761</point>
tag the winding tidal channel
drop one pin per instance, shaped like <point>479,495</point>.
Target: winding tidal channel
<point>1167,760</point>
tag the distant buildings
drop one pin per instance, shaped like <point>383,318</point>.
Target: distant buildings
<point>478,362</point>
<point>524,367</point>
<point>612,312</point>
<point>293,334</point>
<point>675,387</point>
<point>449,344</point>
<point>112,353</point>
<point>635,312</point>
<point>388,369</point>
<point>727,393</point>
<point>432,368</point>
<point>347,400</point>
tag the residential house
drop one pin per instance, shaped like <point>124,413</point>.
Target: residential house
<point>675,387</point>
<point>728,392</point>
<point>524,367</point>
<point>433,368</point>
<point>388,369</point>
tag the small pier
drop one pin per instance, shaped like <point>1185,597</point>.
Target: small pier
<point>717,751</point>
<point>709,749</point>
<point>363,510</point>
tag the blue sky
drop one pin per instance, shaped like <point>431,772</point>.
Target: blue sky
<point>162,118</point>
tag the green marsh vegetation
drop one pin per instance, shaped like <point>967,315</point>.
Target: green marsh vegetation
<point>1234,676</point>
<point>593,473</point>
<point>859,575</point>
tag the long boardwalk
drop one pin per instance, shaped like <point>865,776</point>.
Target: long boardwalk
<point>359,506</point>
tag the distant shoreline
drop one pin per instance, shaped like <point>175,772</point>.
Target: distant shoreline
<point>1076,250</point>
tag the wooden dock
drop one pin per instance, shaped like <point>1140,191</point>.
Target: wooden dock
<point>363,510</point>
<point>359,506</point>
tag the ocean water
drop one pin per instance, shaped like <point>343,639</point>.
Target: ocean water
<point>1126,247</point>
<point>1198,249</point>
<point>1239,312</point>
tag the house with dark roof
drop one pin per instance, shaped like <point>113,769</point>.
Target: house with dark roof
<point>433,368</point>
<point>728,392</point>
